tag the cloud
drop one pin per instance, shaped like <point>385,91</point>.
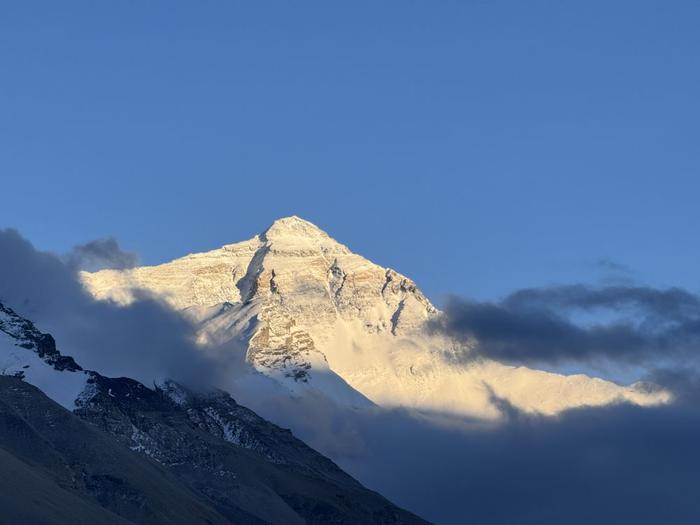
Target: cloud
<point>616,464</point>
<point>632,324</point>
<point>614,273</point>
<point>608,265</point>
<point>145,341</point>
<point>100,254</point>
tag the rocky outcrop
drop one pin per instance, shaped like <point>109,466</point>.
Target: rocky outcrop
<point>29,337</point>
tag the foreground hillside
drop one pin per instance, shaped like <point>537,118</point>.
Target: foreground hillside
<point>126,453</point>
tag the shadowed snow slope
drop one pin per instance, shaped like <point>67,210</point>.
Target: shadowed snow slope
<point>304,310</point>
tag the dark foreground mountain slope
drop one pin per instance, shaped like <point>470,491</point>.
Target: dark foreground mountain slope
<point>246,468</point>
<point>45,442</point>
<point>162,455</point>
<point>30,495</point>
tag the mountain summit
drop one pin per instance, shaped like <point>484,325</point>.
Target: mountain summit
<point>319,319</point>
<point>294,226</point>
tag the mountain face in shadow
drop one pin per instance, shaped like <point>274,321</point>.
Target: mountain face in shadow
<point>132,454</point>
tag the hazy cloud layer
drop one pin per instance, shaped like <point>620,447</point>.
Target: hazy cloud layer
<point>100,254</point>
<point>632,324</point>
<point>616,464</point>
<point>146,340</point>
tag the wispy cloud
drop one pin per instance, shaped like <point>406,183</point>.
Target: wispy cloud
<point>614,273</point>
<point>100,254</point>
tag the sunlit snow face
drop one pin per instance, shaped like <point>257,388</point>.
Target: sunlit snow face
<point>303,309</point>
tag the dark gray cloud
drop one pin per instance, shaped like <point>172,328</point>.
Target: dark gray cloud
<point>614,464</point>
<point>609,465</point>
<point>631,324</point>
<point>100,254</point>
<point>145,340</point>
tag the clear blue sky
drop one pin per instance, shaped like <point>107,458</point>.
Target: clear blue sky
<point>475,146</point>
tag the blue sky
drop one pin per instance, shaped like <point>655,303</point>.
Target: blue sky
<point>476,146</point>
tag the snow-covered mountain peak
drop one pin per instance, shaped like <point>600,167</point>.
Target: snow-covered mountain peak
<point>293,226</point>
<point>292,264</point>
<point>311,314</point>
<point>296,237</point>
